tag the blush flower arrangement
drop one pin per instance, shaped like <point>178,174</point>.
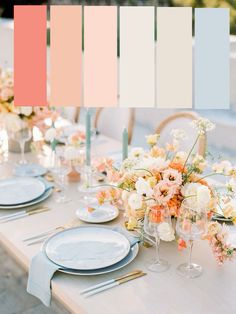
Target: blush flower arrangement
<point>165,177</point>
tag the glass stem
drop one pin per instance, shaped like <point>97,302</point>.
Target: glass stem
<point>157,257</point>
<point>62,185</point>
<point>22,150</point>
<point>190,253</point>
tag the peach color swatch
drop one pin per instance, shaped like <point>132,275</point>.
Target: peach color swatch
<point>66,55</point>
<point>174,58</point>
<point>100,56</point>
<point>30,37</point>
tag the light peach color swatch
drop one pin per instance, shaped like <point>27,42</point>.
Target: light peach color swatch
<point>30,87</point>
<point>100,56</point>
<point>66,55</point>
<point>137,57</point>
<point>174,58</point>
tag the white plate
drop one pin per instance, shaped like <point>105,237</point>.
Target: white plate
<point>30,170</point>
<point>17,191</point>
<point>124,262</point>
<point>34,202</point>
<point>101,214</point>
<point>86,248</point>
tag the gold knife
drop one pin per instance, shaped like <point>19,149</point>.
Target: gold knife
<point>24,214</point>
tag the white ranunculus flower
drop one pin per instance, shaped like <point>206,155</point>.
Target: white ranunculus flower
<point>198,196</point>
<point>166,232</point>
<point>135,201</point>
<point>137,152</point>
<point>150,163</point>
<point>50,135</point>
<point>26,110</point>
<point>124,195</point>
<point>13,123</point>
<point>143,187</point>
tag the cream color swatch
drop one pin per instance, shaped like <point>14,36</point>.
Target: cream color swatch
<point>174,58</point>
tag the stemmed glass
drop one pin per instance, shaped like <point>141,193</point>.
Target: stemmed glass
<point>191,224</point>
<point>152,221</point>
<point>87,185</point>
<point>61,168</point>
<point>21,136</point>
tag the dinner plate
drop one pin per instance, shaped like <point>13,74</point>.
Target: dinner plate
<point>17,191</point>
<point>29,170</point>
<point>38,200</point>
<point>97,213</point>
<point>86,248</point>
<point>124,262</point>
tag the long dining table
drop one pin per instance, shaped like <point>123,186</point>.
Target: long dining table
<point>156,293</point>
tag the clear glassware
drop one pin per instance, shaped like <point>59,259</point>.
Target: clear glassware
<point>191,224</point>
<point>21,136</point>
<point>61,168</point>
<point>86,187</point>
<point>152,220</point>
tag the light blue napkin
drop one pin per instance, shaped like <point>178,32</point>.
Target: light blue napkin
<point>42,270</point>
<point>40,274</point>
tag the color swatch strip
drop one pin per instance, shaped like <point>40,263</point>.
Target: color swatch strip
<point>30,55</point>
<point>66,55</point>
<point>100,56</point>
<point>211,61</point>
<point>137,57</point>
<point>174,58</point>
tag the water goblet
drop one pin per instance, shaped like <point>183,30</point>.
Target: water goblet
<point>152,221</point>
<point>21,136</point>
<point>61,168</point>
<point>191,224</point>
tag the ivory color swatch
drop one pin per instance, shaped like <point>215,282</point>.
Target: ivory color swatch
<point>211,61</point>
<point>174,58</point>
<point>137,57</point>
<point>30,37</point>
<point>66,55</point>
<point>100,56</point>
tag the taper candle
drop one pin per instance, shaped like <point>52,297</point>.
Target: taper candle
<point>88,138</point>
<point>125,144</point>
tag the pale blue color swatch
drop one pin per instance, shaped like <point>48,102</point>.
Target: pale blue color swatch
<point>211,59</point>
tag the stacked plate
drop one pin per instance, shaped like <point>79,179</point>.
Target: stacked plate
<point>22,192</point>
<point>90,250</point>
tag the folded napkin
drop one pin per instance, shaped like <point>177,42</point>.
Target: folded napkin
<point>40,274</point>
<point>42,270</point>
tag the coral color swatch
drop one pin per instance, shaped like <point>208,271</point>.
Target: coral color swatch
<point>66,55</point>
<point>30,36</point>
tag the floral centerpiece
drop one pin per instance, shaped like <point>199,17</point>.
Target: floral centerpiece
<point>168,177</point>
<point>16,118</point>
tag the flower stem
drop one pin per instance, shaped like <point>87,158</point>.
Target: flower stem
<point>191,150</point>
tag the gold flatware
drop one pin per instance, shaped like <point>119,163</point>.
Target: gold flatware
<point>44,235</point>
<point>25,214</point>
<point>112,283</point>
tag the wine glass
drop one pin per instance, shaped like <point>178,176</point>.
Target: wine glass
<point>61,168</point>
<point>86,187</point>
<point>191,224</point>
<point>152,221</point>
<point>21,136</point>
